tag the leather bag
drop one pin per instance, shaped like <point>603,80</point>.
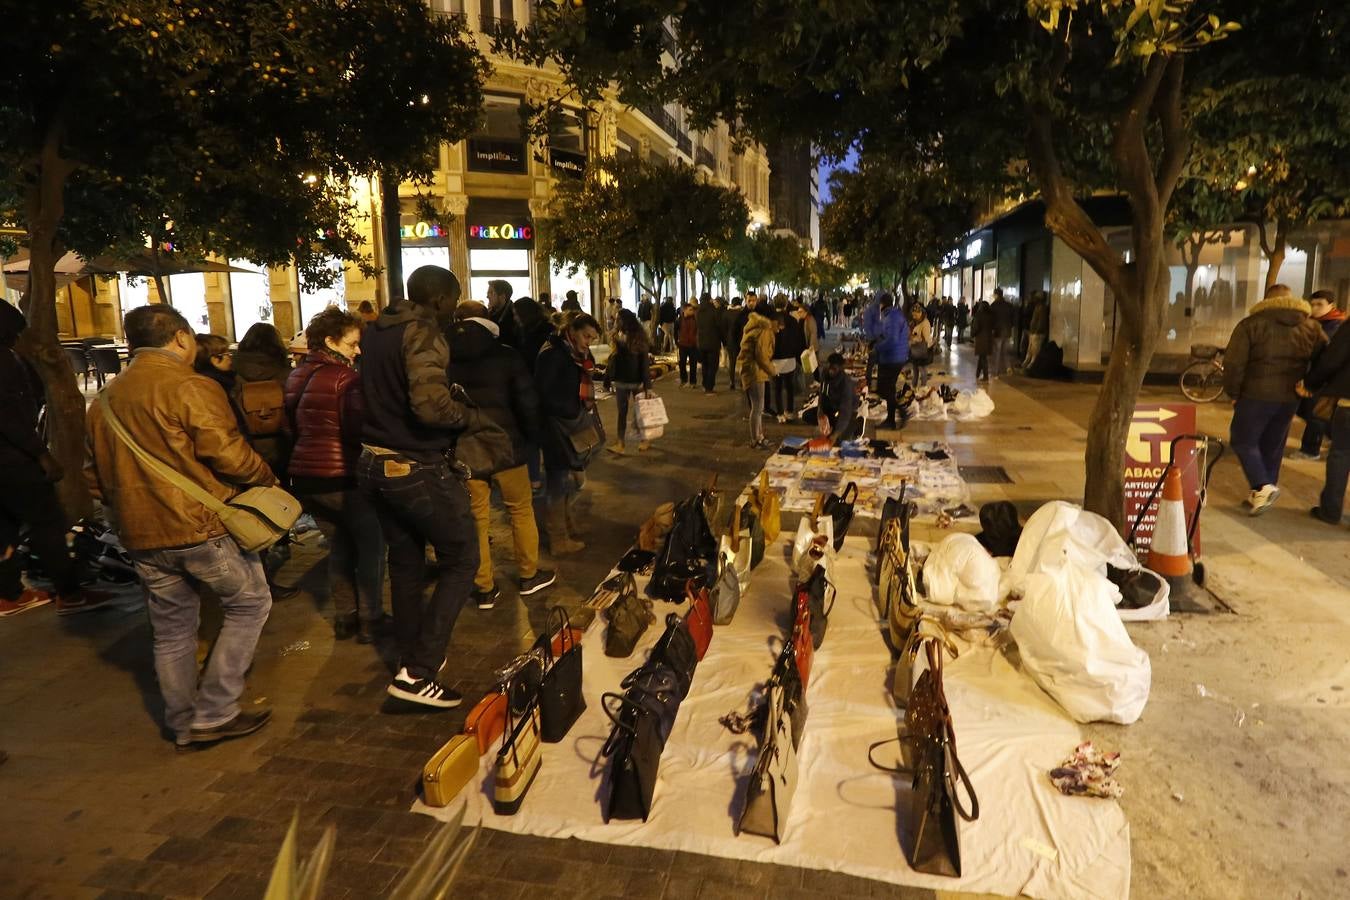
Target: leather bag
<point>579,437</point>
<point>627,618</point>
<point>689,551</point>
<point>913,656</point>
<point>773,782</point>
<point>803,651</point>
<point>768,508</point>
<point>256,517</point>
<point>634,753</point>
<point>486,448</point>
<point>517,762</point>
<point>786,676</point>
<point>736,548</point>
<point>717,508</point>
<point>699,619</point>
<point>675,649</point>
<point>486,722</point>
<point>819,596</point>
<point>561,701</point>
<point>725,596</point>
<point>655,687</point>
<point>839,507</point>
<point>449,770</point>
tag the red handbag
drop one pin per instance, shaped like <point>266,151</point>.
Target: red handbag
<point>487,720</point>
<point>803,651</point>
<point>699,618</point>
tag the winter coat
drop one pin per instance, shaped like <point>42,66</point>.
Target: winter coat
<point>326,407</point>
<point>557,381</point>
<point>1270,349</point>
<point>255,366</point>
<point>871,324</point>
<point>921,334</point>
<point>627,366</point>
<point>1330,373</point>
<point>687,331</point>
<point>709,319</point>
<point>733,322</point>
<point>1003,316</point>
<point>738,322</point>
<point>893,345</point>
<point>754,362</point>
<point>668,313</point>
<point>184,420</point>
<point>982,328</point>
<point>839,402</point>
<point>533,337</point>
<point>1331,322</point>
<point>791,341</point>
<point>508,332</point>
<point>21,399</point>
<point>499,384</point>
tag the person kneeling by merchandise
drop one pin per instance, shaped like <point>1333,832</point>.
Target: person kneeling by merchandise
<point>838,403</point>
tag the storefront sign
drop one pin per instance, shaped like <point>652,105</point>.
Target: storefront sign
<point>496,156</point>
<point>503,232</point>
<point>951,260</point>
<point>973,248</point>
<point>1146,454</point>
<point>567,162</point>
<point>421,231</point>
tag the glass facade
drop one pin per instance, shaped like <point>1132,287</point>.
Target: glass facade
<point>250,302</point>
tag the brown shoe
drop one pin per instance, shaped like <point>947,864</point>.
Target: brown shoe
<point>81,602</point>
<point>242,724</point>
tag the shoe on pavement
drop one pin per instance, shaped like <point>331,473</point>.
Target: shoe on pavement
<point>423,691</point>
<point>345,625</point>
<point>242,724</point>
<point>709,392</point>
<point>369,630</point>
<point>485,599</point>
<point>541,579</point>
<point>1263,499</point>
<point>1316,513</point>
<point>566,546</point>
<point>29,599</point>
<point>1311,457</point>
<point>616,447</point>
<point>644,446</point>
<point>82,601</point>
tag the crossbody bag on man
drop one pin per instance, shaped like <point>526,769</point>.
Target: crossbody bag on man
<point>256,517</point>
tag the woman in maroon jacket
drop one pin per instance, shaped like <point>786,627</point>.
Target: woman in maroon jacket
<point>325,406</point>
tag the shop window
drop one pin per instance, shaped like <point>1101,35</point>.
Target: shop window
<point>509,265</point>
<point>562,283</point>
<point>249,297</point>
<point>315,300</point>
<point>567,142</point>
<point>498,146</point>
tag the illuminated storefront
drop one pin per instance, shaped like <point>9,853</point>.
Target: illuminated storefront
<point>501,246</point>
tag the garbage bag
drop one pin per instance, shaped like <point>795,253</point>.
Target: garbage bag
<point>1062,532</point>
<point>961,572</point>
<point>970,405</point>
<point>1075,647</point>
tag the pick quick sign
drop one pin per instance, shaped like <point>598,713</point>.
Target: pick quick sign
<point>503,232</point>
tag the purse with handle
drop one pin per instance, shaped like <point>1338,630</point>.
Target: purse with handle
<point>803,650</point>
<point>816,590</point>
<point>486,722</point>
<point>561,701</point>
<point>518,761</point>
<point>449,770</point>
<point>634,752</point>
<point>839,507</point>
<point>675,648</point>
<point>773,782</point>
<point>627,618</point>
<point>725,596</point>
<point>926,629</point>
<point>768,507</point>
<point>699,619</point>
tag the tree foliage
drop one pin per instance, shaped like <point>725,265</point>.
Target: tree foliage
<point>229,126</point>
<point>627,210</point>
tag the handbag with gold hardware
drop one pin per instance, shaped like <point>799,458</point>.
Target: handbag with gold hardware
<point>449,770</point>
<point>517,762</point>
<point>767,505</point>
<point>926,629</point>
<point>487,720</point>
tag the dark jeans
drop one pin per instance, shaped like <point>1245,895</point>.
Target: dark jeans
<point>710,360</point>
<point>420,504</point>
<point>28,499</point>
<point>1332,502</point>
<point>887,377</point>
<point>785,384</point>
<point>732,353</point>
<point>622,397</point>
<point>982,366</point>
<point>689,359</point>
<point>1314,430</point>
<point>1257,434</point>
<point>356,551</point>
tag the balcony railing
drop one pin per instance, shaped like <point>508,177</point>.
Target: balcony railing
<point>492,25</point>
<point>662,119</point>
<point>705,158</point>
<point>685,143</point>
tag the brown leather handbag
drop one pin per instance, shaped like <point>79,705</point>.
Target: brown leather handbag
<point>487,720</point>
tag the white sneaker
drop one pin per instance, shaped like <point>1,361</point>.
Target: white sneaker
<point>426,692</point>
<point>1263,499</point>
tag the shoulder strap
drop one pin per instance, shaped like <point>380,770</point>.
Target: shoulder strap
<point>184,484</point>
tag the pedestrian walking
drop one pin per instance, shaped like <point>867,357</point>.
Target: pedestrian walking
<point>962,320</point>
<point>1267,357</point>
<point>1323,305</point>
<point>407,471</point>
<point>922,340</point>
<point>709,326</point>
<point>755,365</point>
<point>502,312</point>
<point>686,339</point>
<point>629,371</point>
<point>326,408</point>
<point>563,381</point>
<point>1002,318</point>
<point>496,379</point>
<point>179,545</point>
<point>667,316</point>
<point>892,354</point>
<point>948,324</point>
<point>982,335</point>
<point>733,323</point>
<point>1038,328</point>
<point>820,311</point>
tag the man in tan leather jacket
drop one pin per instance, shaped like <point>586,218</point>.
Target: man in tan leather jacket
<point>184,420</point>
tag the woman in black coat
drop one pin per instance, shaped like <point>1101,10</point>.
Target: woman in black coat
<point>562,378</point>
<point>629,371</point>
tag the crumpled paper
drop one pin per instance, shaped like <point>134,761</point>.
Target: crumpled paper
<point>1088,773</point>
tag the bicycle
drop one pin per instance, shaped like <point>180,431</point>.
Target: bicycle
<point>1202,379</point>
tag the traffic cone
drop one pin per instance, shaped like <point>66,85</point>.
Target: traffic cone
<point>1168,554</point>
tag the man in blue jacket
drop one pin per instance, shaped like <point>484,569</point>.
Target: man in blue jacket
<point>892,353</point>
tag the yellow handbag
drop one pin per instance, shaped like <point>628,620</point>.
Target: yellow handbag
<point>449,770</point>
<point>767,507</point>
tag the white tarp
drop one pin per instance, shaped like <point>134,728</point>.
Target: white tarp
<point>1030,839</point>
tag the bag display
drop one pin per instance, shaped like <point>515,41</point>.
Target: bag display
<point>725,596</point>
<point>256,517</point>
<point>815,591</point>
<point>913,658</point>
<point>768,796</point>
<point>699,619</point>
<point>517,762</point>
<point>839,507</point>
<point>486,722</point>
<point>736,549</point>
<point>786,676</point>
<point>580,437</point>
<point>449,770</point>
<point>718,506</point>
<point>627,618</point>
<point>812,546</point>
<point>689,552</point>
<point>655,688</point>
<point>767,506</point>
<point>675,648</point>
<point>561,701</point>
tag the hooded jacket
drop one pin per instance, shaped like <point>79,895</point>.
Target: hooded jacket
<point>754,364</point>
<point>1270,349</point>
<point>893,339</point>
<point>498,382</point>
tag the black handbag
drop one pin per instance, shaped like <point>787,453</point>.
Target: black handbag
<point>794,695</point>
<point>627,618</point>
<point>839,507</point>
<point>655,687</point>
<point>689,552</point>
<point>750,520</point>
<point>579,437</point>
<point>676,649</point>
<point>561,701</point>
<point>634,752</point>
<point>817,590</point>
<point>485,449</point>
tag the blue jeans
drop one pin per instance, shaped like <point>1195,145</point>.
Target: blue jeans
<point>1332,502</point>
<point>754,396</point>
<point>1257,433</point>
<point>237,579</point>
<point>420,504</point>
<point>356,551</point>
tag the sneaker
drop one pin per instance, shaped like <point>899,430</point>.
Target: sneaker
<point>1311,457</point>
<point>485,599</point>
<point>1316,513</point>
<point>82,601</point>
<point>541,579</point>
<point>29,599</point>
<point>425,691</point>
<point>616,447</point>
<point>709,393</point>
<point>242,724</point>
<point>644,446</point>
<point>1263,499</point>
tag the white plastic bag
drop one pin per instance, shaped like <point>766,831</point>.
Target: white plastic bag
<point>1062,532</point>
<point>960,571</point>
<point>650,411</point>
<point>976,405</point>
<point>929,406</point>
<point>1074,645</point>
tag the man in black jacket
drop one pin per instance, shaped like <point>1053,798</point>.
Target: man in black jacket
<point>668,316</point>
<point>733,325</point>
<point>500,385</point>
<point>407,470</point>
<point>709,319</point>
<point>501,312</point>
<point>1330,378</point>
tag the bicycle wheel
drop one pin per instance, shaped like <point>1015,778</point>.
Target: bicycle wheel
<point>1202,381</point>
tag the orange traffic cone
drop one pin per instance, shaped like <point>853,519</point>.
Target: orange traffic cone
<point>1168,554</point>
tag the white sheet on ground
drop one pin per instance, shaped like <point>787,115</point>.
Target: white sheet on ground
<point>1030,839</point>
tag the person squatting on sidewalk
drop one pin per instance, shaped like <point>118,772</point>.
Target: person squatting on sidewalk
<point>407,471</point>
<point>1267,357</point>
<point>184,420</point>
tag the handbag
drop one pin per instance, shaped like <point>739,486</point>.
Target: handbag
<point>656,688</point>
<point>486,722</point>
<point>736,548</point>
<point>634,751</point>
<point>486,448</point>
<point>750,522</point>
<point>517,762</point>
<point>814,591</point>
<point>725,595</point>
<point>628,618</point>
<point>926,629</point>
<point>675,649</point>
<point>768,508</point>
<point>803,650</point>
<point>689,551</point>
<point>653,531</point>
<point>256,517</point>
<point>785,674</point>
<point>812,548</point>
<point>773,782</point>
<point>718,506</point>
<point>579,437</point>
<point>839,507</point>
<point>449,770</point>
<point>699,619</point>
<point>561,701</point>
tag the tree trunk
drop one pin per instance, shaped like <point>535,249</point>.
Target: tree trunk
<point>1275,254</point>
<point>391,231</point>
